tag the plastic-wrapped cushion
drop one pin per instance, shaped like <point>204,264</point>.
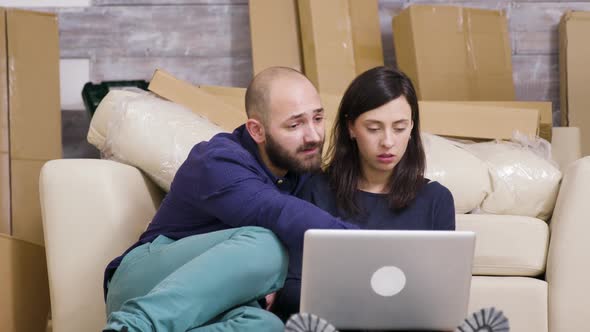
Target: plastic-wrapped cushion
<point>465,175</point>
<point>523,183</point>
<point>98,126</point>
<point>149,133</point>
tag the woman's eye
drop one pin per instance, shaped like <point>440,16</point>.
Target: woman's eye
<point>399,130</point>
<point>372,129</point>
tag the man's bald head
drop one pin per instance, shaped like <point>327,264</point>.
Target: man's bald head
<point>258,93</point>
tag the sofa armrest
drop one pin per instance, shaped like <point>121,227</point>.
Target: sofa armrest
<point>568,266</point>
<point>566,146</point>
<point>93,210</point>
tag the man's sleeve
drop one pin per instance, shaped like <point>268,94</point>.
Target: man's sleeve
<point>236,194</point>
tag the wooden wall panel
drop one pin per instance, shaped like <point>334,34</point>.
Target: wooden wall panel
<point>155,31</point>
<point>227,71</point>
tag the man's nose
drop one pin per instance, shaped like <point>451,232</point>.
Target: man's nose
<point>313,134</point>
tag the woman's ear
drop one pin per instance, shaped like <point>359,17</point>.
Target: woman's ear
<point>256,130</point>
<point>349,125</point>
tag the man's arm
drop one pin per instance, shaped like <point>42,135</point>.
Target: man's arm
<point>238,195</point>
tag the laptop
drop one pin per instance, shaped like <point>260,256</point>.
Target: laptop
<point>386,279</point>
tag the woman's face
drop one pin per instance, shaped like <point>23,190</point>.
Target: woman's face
<point>382,135</point>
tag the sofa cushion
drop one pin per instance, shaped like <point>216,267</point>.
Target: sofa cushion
<point>465,175</point>
<point>523,300</point>
<point>507,245</point>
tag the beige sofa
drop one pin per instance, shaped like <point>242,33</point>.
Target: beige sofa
<point>537,274</point>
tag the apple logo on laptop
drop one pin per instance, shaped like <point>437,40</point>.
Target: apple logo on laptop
<point>388,281</point>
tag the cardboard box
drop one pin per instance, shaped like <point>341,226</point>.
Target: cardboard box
<point>5,193</point>
<point>574,52</point>
<point>330,103</point>
<point>24,187</point>
<point>455,53</point>
<point>30,114</point>
<point>545,109</point>
<point>274,31</point>
<point>24,288</point>
<point>340,39</point>
<point>229,95</point>
<point>481,122</point>
<point>4,139</point>
<point>222,114</point>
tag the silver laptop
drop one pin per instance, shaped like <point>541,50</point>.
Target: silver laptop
<point>382,279</point>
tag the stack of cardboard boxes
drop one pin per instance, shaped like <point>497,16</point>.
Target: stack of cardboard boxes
<point>30,134</point>
<point>459,60</point>
<point>464,55</point>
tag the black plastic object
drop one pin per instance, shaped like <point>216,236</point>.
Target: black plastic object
<point>92,94</point>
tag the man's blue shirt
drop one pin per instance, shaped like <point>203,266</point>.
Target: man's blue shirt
<point>224,184</point>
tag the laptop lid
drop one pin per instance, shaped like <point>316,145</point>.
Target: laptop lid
<point>387,279</point>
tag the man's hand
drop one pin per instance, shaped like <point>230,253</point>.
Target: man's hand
<point>270,299</point>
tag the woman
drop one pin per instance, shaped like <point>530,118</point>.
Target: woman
<point>375,174</point>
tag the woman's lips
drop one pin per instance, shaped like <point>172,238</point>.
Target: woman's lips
<point>386,158</point>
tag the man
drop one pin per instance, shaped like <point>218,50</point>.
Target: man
<point>201,265</point>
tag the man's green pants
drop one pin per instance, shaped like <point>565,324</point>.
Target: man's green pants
<point>202,283</point>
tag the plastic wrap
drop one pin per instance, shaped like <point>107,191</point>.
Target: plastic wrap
<point>149,133</point>
<point>103,114</point>
<point>465,175</point>
<point>525,181</point>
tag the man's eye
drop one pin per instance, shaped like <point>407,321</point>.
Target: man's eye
<point>319,118</point>
<point>294,125</point>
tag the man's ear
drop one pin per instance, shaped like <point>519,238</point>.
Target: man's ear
<point>256,130</point>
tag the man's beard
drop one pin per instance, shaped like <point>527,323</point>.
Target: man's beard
<point>282,158</point>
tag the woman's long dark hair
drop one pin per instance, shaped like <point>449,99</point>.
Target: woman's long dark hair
<point>370,90</point>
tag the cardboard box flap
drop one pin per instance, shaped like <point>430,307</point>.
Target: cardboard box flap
<point>470,121</point>
<point>33,70</point>
<point>222,114</point>
<point>545,109</point>
<point>230,95</point>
